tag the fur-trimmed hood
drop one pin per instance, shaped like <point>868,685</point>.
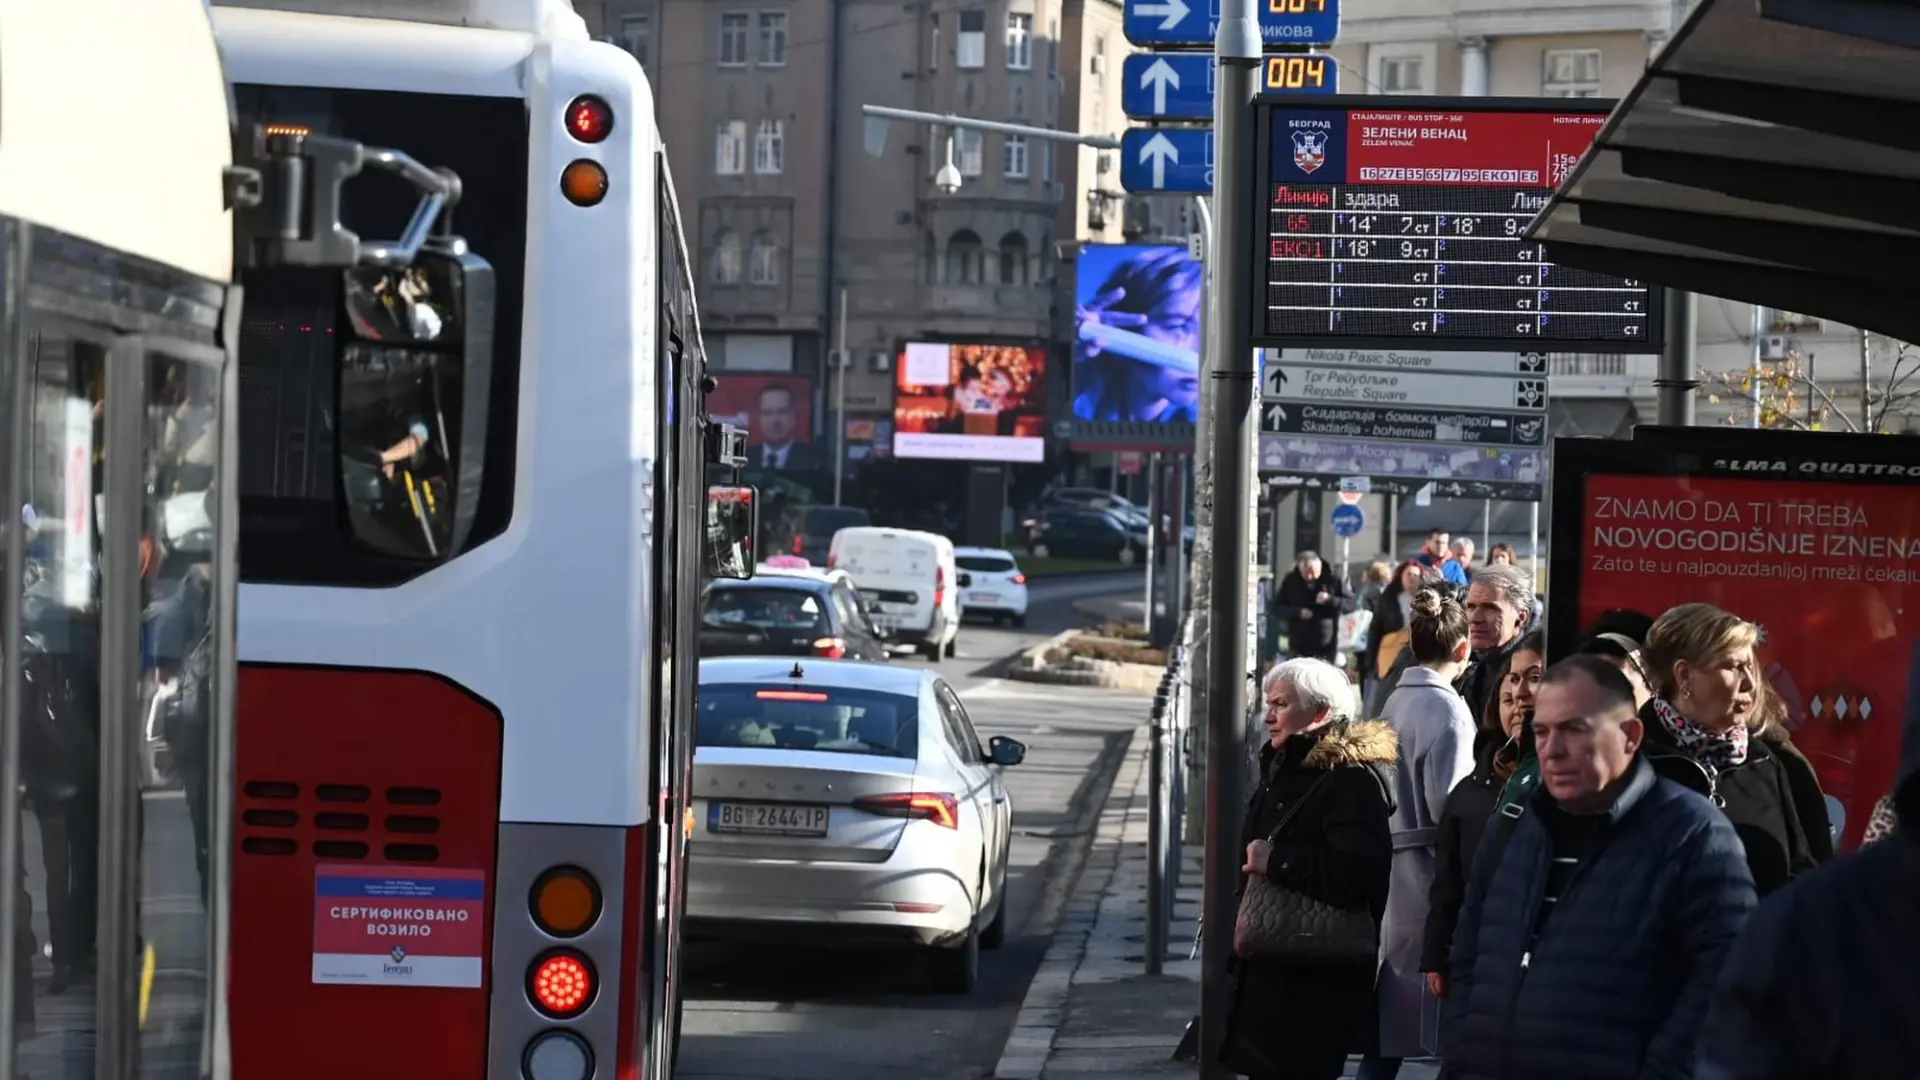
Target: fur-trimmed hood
<point>1355,742</point>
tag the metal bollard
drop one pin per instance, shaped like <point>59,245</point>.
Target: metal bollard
<point>1156,937</point>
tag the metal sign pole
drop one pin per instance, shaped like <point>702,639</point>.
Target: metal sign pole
<point>1237,48</point>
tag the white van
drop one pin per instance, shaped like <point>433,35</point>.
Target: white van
<point>909,579</point>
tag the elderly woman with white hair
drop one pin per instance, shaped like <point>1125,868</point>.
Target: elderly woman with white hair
<point>1316,826</point>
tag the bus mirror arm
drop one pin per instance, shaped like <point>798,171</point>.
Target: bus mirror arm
<point>285,193</point>
<point>726,446</point>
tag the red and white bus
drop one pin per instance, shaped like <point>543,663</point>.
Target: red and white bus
<point>468,591</point>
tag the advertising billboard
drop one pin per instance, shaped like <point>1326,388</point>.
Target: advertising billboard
<point>1136,350</point>
<point>1813,540</point>
<point>777,411</point>
<point>962,402</point>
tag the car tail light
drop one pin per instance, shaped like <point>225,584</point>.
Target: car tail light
<point>939,585</point>
<point>790,695</point>
<point>562,984</point>
<point>799,544</point>
<point>938,807</point>
<point>832,560</point>
<point>830,647</point>
<point>1019,579</point>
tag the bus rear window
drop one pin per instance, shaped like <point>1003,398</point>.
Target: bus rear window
<point>292,526</point>
<point>789,717</point>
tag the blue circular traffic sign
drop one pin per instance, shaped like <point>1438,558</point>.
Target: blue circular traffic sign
<point>1348,520</point>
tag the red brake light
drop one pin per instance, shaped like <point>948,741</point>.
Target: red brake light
<point>938,807</point>
<point>562,984</point>
<point>832,560</point>
<point>1019,579</point>
<point>939,586</point>
<point>799,543</point>
<point>589,119</point>
<point>790,695</point>
<point>832,648</point>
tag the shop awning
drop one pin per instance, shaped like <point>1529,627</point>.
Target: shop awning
<point>1770,154</point>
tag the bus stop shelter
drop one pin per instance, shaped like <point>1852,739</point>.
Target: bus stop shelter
<point>1770,154</point>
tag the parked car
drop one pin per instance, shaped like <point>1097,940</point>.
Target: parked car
<point>852,804</point>
<point>788,613</point>
<point>999,587</point>
<point>807,530</point>
<point>1087,534</point>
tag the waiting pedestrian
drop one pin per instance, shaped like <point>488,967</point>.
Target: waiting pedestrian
<point>1311,599</point>
<point>1317,826</point>
<point>1589,951</point>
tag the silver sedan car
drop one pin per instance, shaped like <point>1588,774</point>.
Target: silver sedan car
<point>838,801</point>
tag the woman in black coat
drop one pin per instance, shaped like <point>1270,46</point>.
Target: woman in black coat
<point>1301,1022</point>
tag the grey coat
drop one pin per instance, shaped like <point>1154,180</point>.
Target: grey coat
<point>1436,752</point>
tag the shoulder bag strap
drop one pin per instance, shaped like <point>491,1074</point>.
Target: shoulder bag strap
<point>1287,817</point>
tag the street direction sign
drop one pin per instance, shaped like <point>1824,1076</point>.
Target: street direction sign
<point>1167,160</point>
<point>1475,472</point>
<point>1180,86</point>
<point>1459,363</point>
<point>1348,520</point>
<point>1414,390</point>
<point>1157,24</point>
<point>1394,424</point>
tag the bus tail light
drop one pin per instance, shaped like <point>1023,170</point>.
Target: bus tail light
<point>589,119</point>
<point>938,807</point>
<point>830,647</point>
<point>558,1055</point>
<point>584,183</point>
<point>565,901</point>
<point>562,984</point>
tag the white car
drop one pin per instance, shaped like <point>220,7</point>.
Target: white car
<point>849,803</point>
<point>996,587</point>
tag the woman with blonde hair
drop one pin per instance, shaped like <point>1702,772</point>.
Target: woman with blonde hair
<point>1704,726</point>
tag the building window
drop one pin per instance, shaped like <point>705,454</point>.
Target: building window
<point>636,35</point>
<point>1570,73</point>
<point>968,151</point>
<point>1019,43</point>
<point>1402,75</point>
<point>1014,166</point>
<point>966,259</point>
<point>726,258</point>
<point>1013,259</point>
<point>733,41</point>
<point>773,39</point>
<point>730,148</point>
<point>970,49</point>
<point>763,262</point>
<point>770,148</point>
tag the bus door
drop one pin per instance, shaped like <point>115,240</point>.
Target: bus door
<point>114,407</point>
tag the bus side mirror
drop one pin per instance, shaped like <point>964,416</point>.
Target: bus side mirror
<point>733,529</point>
<point>415,379</point>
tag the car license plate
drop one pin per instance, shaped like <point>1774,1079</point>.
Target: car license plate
<point>986,597</point>
<point>768,819</point>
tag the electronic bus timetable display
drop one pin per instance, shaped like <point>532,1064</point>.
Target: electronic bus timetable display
<point>1404,227</point>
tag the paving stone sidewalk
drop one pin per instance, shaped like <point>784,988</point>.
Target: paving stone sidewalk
<point>1091,1011</point>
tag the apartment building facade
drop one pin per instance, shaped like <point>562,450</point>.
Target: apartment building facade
<point>791,196</point>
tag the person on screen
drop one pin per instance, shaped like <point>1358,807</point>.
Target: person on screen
<point>774,424</point>
<point>1138,351</point>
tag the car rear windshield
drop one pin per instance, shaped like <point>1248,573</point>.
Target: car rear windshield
<point>827,522</point>
<point>764,609</point>
<point>786,717</point>
<point>992,564</point>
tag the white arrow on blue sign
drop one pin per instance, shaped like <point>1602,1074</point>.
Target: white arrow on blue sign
<point>1178,160</point>
<point>1177,87</point>
<point>1178,24</point>
<point>1348,520</point>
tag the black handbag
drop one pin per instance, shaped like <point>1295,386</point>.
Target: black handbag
<point>1278,923</point>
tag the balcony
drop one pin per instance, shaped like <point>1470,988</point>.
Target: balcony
<point>1593,375</point>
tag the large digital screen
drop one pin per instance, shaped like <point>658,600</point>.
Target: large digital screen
<point>1404,226</point>
<point>1821,559</point>
<point>1136,350</point>
<point>966,402</point>
<point>777,411</point>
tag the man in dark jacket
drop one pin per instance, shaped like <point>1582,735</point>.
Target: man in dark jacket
<point>1589,951</point>
<point>1822,985</point>
<point>1312,598</point>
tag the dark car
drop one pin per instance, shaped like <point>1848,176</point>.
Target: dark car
<point>1074,533</point>
<point>807,530</point>
<point>787,615</point>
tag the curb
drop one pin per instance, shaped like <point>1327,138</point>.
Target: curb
<point>1043,1009</point>
<point>1030,665</point>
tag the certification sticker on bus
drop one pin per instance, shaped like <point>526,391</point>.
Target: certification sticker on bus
<point>398,925</point>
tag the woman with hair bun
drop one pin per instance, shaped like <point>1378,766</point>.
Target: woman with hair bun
<point>1436,733</point>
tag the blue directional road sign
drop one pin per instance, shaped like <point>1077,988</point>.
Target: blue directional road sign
<point>1155,24</point>
<point>1348,520</point>
<point>1167,160</point>
<point>1177,87</point>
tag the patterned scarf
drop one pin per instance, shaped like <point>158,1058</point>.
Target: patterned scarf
<point>1718,751</point>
